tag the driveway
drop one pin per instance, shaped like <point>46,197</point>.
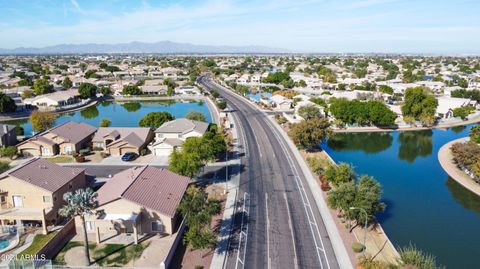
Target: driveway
<point>141,160</point>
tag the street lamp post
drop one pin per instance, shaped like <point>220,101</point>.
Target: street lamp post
<point>226,171</point>
<point>365,228</point>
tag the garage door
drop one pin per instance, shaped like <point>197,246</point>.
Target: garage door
<point>30,152</point>
<point>125,150</point>
<point>163,152</point>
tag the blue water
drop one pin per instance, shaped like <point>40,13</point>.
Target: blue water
<point>424,205</point>
<point>124,114</point>
<point>257,96</point>
<point>4,243</point>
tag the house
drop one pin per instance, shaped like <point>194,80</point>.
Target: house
<point>154,89</point>
<point>33,191</point>
<point>447,104</point>
<point>8,135</point>
<point>171,135</point>
<point>118,141</point>
<point>187,90</point>
<point>66,138</point>
<point>139,200</point>
<point>280,102</point>
<point>55,99</point>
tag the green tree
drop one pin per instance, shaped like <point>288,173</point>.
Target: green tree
<point>105,90</point>
<point>368,196</point>
<point>80,203</point>
<point>338,175</point>
<point>308,134</point>
<point>27,94</point>
<point>155,119</point>
<point>87,90</point>
<point>91,74</point>
<point>195,115</point>
<point>475,134</point>
<point>221,105</point>
<point>460,112</point>
<point>198,210</point>
<point>105,122</point>
<point>7,104</point>
<point>185,163</point>
<point>385,89</point>
<point>132,106</point>
<point>42,121</point>
<point>309,112</point>
<point>419,104</point>
<point>41,86</point>
<point>131,90</point>
<point>90,112</point>
<point>67,83</point>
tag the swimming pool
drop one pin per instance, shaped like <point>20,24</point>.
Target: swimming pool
<point>4,243</point>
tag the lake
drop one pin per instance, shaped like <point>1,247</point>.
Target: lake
<point>125,114</point>
<point>424,206</point>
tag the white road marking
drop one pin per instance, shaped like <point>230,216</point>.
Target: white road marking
<point>295,262</point>
<point>268,233</point>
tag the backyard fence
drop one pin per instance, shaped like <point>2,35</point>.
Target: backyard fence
<point>166,262</point>
<point>65,234</point>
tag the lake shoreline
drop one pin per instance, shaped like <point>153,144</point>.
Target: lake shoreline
<point>446,161</point>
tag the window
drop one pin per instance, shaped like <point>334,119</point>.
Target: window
<point>54,198</point>
<point>157,226</point>
<point>47,199</point>
<point>90,225</point>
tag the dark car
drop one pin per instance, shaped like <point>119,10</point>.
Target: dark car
<point>129,156</point>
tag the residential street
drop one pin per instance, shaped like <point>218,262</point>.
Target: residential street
<point>285,229</point>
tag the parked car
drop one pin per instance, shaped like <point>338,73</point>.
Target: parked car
<point>129,156</point>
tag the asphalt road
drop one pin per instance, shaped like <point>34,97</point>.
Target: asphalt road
<point>285,229</point>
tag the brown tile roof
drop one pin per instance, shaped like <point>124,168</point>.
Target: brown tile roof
<point>154,188</point>
<point>72,131</point>
<point>134,136</point>
<point>43,174</point>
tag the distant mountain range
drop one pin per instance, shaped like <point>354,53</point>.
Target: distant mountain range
<point>162,47</point>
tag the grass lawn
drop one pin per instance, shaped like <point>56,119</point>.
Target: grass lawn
<point>61,159</point>
<point>111,255</point>
<point>39,241</point>
<point>60,257</point>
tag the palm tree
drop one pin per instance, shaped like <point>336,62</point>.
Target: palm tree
<point>81,202</point>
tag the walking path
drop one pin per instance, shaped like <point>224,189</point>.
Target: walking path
<point>445,158</point>
<point>26,114</point>
<point>221,250</point>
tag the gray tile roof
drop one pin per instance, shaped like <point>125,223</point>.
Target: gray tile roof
<point>182,126</point>
<point>43,174</point>
<point>154,188</point>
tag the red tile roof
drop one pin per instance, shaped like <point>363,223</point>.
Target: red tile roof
<point>154,188</point>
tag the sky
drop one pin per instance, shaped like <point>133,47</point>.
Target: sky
<point>338,26</point>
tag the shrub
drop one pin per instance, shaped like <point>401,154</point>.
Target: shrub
<point>9,152</point>
<point>97,148</point>
<point>317,164</point>
<point>104,155</point>
<point>357,247</point>
<point>80,159</point>
<point>4,166</point>
<point>143,152</point>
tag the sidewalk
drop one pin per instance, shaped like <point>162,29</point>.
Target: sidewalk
<point>221,251</point>
<point>446,161</point>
